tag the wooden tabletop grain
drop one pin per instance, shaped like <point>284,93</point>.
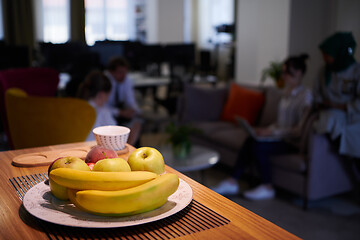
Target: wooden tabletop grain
<point>243,224</point>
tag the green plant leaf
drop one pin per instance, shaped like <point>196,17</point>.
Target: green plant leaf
<point>273,71</point>
<point>180,134</point>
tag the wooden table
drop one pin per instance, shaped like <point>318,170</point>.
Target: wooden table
<point>209,215</point>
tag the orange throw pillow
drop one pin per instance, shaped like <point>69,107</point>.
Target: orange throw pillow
<point>244,103</point>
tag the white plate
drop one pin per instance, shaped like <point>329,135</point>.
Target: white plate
<point>39,202</point>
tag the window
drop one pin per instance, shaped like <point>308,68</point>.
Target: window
<point>108,19</point>
<point>210,18</point>
<point>56,21</point>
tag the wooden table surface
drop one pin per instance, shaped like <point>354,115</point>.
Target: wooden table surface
<point>16,223</point>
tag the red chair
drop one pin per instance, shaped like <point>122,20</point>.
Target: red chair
<point>34,81</point>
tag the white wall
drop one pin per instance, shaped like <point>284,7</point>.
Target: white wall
<point>152,21</point>
<point>171,21</point>
<point>165,21</point>
<point>262,36</point>
<point>310,22</point>
<point>188,20</point>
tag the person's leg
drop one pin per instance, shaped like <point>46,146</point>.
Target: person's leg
<point>263,151</point>
<point>230,186</point>
<point>244,158</point>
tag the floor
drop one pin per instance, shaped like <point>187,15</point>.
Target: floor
<point>336,218</point>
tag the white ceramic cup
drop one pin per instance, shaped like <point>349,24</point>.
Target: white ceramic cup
<point>112,137</point>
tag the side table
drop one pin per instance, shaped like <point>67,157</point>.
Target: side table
<point>199,159</point>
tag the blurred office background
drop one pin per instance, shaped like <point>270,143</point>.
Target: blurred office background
<point>206,41</point>
<point>235,38</point>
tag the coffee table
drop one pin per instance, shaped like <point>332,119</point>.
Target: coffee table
<point>199,159</point>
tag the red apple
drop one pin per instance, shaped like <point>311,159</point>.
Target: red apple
<point>98,152</point>
<point>91,165</point>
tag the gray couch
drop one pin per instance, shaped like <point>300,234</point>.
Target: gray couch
<point>315,172</point>
<point>202,106</point>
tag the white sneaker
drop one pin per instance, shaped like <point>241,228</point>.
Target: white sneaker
<point>261,192</point>
<point>227,187</point>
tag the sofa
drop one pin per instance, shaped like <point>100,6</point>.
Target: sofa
<point>203,107</point>
<point>316,171</point>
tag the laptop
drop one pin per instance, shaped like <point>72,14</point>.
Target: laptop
<point>250,130</point>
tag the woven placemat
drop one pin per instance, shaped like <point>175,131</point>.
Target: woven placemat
<point>194,218</point>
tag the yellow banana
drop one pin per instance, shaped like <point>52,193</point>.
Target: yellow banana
<point>92,180</point>
<point>142,198</point>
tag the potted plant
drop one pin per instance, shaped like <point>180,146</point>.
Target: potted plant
<point>179,138</point>
<point>274,72</point>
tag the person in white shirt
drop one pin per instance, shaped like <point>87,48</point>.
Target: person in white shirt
<point>293,109</point>
<point>96,90</point>
<point>122,100</point>
<point>337,94</point>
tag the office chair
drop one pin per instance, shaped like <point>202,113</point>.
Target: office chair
<point>41,121</point>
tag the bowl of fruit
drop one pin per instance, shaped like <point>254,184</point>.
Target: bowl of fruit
<point>108,190</point>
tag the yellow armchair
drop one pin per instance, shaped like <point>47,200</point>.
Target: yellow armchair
<point>41,121</point>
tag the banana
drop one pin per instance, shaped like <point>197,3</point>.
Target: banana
<point>142,198</point>
<point>92,180</point>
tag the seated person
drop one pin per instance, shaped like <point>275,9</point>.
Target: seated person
<point>337,94</point>
<point>96,90</point>
<point>122,98</point>
<point>293,109</point>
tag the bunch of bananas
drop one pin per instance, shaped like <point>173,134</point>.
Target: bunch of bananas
<point>116,193</point>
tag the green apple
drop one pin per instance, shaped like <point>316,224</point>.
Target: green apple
<point>57,190</point>
<point>112,165</point>
<point>147,159</point>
